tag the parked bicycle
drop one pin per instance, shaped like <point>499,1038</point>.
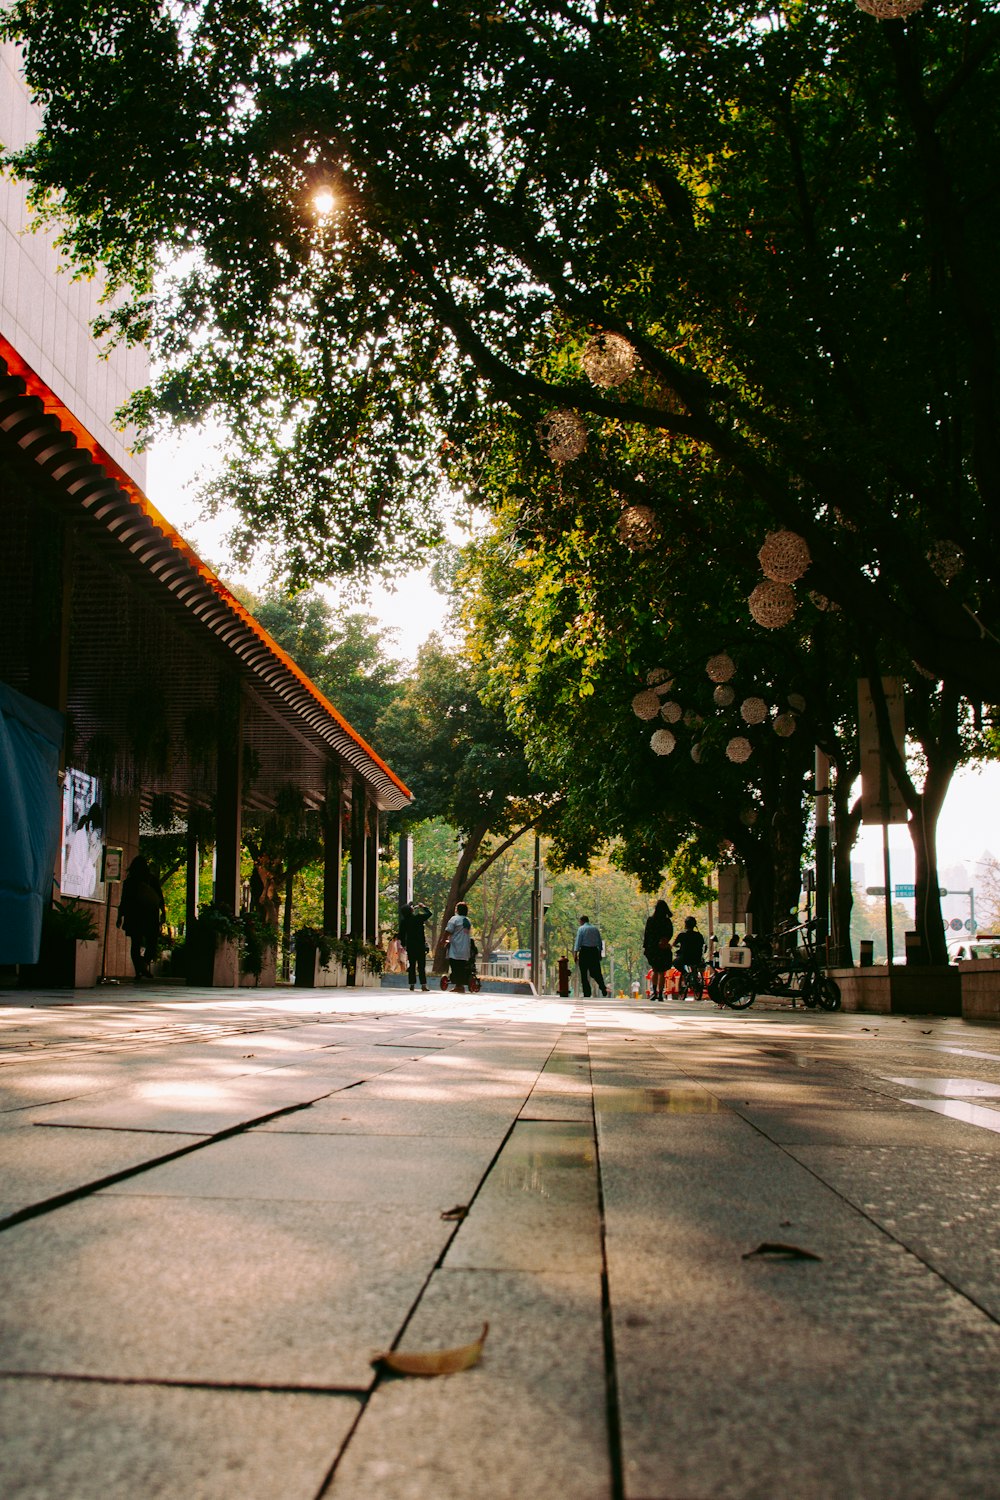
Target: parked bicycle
<point>793,969</point>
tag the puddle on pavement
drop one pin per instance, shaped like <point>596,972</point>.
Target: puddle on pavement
<point>668,1101</point>
<point>538,1152</point>
<point>958,1109</point>
<point>950,1088</point>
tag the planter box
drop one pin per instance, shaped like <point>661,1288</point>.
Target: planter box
<point>310,973</point>
<point>268,973</point>
<point>65,964</point>
<point>980,981</point>
<point>913,990</point>
<point>213,967</point>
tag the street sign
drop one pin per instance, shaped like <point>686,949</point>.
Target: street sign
<point>970,925</point>
<point>956,924</point>
<point>874,890</point>
<point>906,890</point>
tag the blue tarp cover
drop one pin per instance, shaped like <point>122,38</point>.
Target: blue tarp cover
<point>30,817</point>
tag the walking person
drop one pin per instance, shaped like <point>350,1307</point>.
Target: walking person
<point>413,936</point>
<point>690,958</point>
<point>657,946</point>
<point>141,909</point>
<point>588,947</point>
<point>459,931</point>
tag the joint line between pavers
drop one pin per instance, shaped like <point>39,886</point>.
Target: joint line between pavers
<point>613,1409</point>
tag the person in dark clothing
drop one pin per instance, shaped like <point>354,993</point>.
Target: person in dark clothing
<point>689,955</point>
<point>656,945</point>
<point>413,937</point>
<point>141,910</point>
<point>588,947</point>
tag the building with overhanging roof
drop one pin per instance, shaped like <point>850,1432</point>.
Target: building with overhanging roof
<point>160,686</point>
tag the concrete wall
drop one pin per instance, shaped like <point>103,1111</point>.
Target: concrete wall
<point>46,315</point>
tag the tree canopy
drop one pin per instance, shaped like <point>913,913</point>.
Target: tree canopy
<point>787,214</point>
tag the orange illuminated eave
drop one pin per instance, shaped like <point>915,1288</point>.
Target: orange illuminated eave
<point>86,442</point>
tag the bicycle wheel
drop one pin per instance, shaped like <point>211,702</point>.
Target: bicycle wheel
<point>828,993</point>
<point>738,989</point>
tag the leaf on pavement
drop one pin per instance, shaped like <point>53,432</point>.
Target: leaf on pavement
<point>434,1361</point>
<point>458,1212</point>
<point>781,1252</point>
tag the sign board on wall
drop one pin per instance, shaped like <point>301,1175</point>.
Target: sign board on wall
<point>881,799</point>
<point>733,894</point>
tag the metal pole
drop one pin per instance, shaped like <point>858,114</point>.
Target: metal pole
<point>887,877</point>
<point>822,780</point>
<point>536,919</point>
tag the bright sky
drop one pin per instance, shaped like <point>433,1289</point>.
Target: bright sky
<point>970,820</point>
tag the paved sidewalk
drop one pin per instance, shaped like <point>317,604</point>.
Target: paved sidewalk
<point>216,1206</point>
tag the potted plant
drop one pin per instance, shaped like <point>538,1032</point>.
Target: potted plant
<point>69,956</point>
<point>356,954</point>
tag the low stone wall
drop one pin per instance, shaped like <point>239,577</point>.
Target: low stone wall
<point>980,978</point>
<point>910,990</point>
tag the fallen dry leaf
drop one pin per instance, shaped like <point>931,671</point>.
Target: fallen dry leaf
<point>458,1212</point>
<point>434,1361</point>
<point>781,1252</point>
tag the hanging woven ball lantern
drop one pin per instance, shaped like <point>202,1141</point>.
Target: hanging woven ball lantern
<point>822,603</point>
<point>748,816</point>
<point>693,720</point>
<point>638,528</point>
<point>646,705</point>
<point>663,742</point>
<point>608,359</point>
<point>739,749</point>
<point>784,725</point>
<point>753,710</point>
<point>772,604</point>
<point>660,678</point>
<point>889,10</point>
<point>796,701</point>
<point>784,556</point>
<point>696,753</point>
<point>671,711</point>
<point>947,560</point>
<point>721,668</point>
<point>563,436</point>
<point>723,695</point>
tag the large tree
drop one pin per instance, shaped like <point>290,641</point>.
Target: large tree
<point>788,213</point>
<point>463,764</point>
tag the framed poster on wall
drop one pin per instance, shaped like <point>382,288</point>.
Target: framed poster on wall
<point>82,837</point>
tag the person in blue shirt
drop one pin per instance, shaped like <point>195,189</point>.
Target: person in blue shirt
<point>588,947</point>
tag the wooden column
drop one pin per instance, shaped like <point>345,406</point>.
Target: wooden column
<point>359,862</point>
<point>229,798</point>
<point>371,872</point>
<point>333,851</point>
<point>192,872</point>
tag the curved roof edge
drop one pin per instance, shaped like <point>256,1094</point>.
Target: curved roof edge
<point>274,665</point>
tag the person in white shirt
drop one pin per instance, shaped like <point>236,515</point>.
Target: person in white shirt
<point>459,930</point>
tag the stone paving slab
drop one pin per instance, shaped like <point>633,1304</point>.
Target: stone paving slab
<point>529,1423</point>
<point>75,1440</point>
<point>262,1292</point>
<point>201,1107</point>
<point>400,1170</point>
<point>41,1163</point>
<point>711,1345</point>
